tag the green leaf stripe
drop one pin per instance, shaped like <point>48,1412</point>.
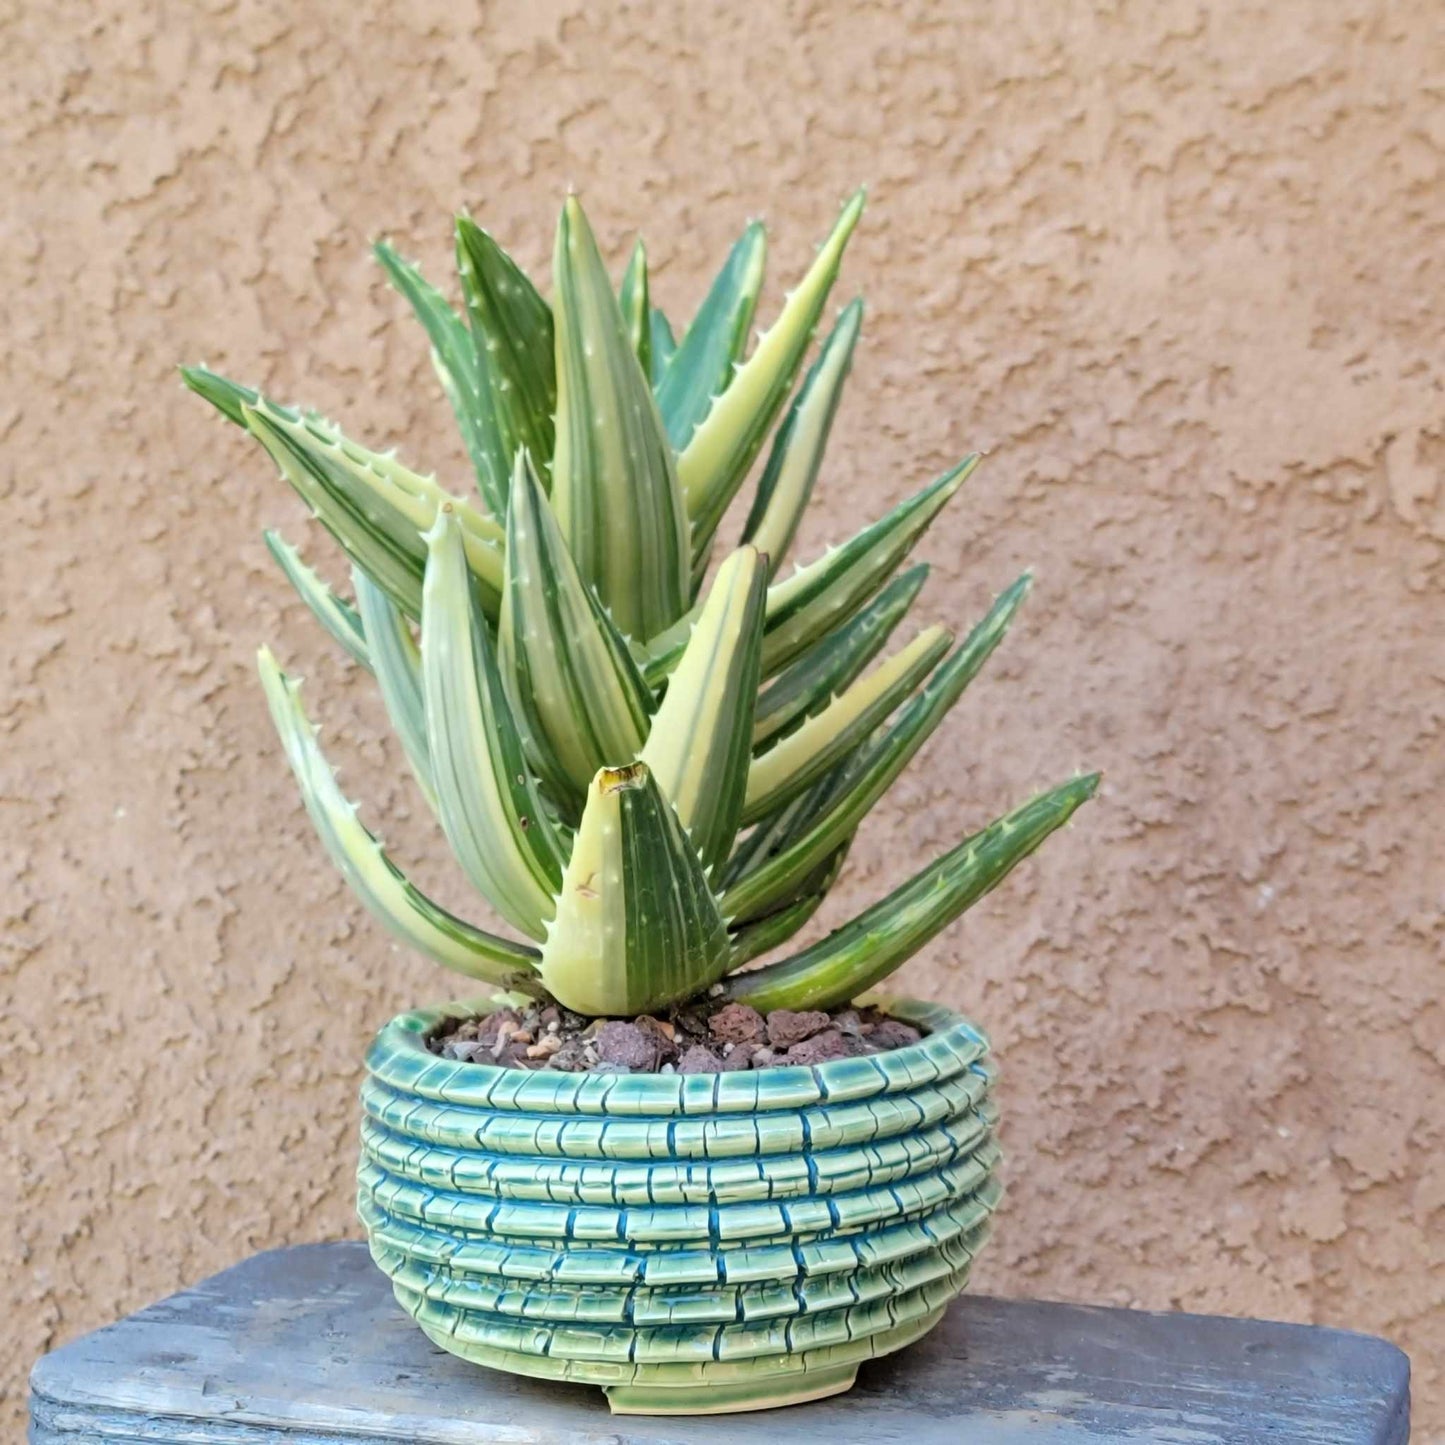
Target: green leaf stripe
<point>614,489</point>
<point>867,949</point>
<point>375,879</point>
<point>489,806</point>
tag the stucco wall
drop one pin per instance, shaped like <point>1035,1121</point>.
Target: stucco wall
<point>1177,266</point>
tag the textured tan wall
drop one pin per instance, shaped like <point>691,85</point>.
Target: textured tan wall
<point>1178,266</point>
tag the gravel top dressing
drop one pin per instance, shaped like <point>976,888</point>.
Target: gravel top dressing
<point>706,1038</point>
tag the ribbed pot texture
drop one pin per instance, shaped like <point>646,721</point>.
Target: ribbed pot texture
<point>690,1243</point>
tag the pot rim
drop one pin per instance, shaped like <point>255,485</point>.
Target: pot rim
<point>398,1057</point>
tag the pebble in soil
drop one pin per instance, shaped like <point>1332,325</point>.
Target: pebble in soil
<point>705,1038</point>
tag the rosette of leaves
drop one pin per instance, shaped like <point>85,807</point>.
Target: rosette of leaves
<point>650,767</point>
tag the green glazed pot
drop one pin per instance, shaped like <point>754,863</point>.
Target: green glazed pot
<point>693,1244</point>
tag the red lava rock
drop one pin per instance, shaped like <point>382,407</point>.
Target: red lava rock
<point>513,1056</point>
<point>732,1036</point>
<point>699,1059</point>
<point>829,1044</point>
<point>893,1034</point>
<point>628,1044</point>
<point>690,1023</point>
<point>786,1028</point>
<point>663,1034</point>
<point>497,1025</point>
<point>737,1023</point>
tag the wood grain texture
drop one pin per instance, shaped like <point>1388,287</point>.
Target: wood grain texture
<point>306,1346</point>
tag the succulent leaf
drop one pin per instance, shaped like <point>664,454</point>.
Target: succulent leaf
<point>490,808</point>
<point>712,465</point>
<point>867,949</point>
<point>227,396</point>
<point>649,856</point>
<point>513,349</point>
<point>614,489</point>
<point>755,939</point>
<point>378,539</point>
<point>818,597</point>
<point>756,845</point>
<point>796,762</point>
<point>636,312</point>
<point>380,885</point>
<point>375,507</point>
<point>637,927</point>
<point>866,776</point>
<point>396,661</point>
<point>662,347</point>
<point>703,366</point>
<point>335,614</point>
<point>808,684</point>
<point>575,691</point>
<point>787,482</point>
<point>806,608</point>
<point>701,738</point>
<point>382,538</point>
<point>454,358</point>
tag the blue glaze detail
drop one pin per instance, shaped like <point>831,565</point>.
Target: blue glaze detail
<point>621,1228</point>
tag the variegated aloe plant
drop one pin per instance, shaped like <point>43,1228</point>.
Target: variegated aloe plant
<point>653,777</point>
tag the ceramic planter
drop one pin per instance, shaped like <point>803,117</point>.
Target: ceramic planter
<point>691,1244</point>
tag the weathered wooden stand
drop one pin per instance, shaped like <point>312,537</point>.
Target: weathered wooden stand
<point>305,1346</point>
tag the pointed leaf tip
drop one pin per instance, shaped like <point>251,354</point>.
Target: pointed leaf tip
<point>228,397</point>
<point>801,758</point>
<point>786,486</point>
<point>614,488</point>
<point>843,578</point>
<point>633,298</point>
<point>701,739</point>
<point>713,345</point>
<point>866,950</point>
<point>458,368</point>
<point>513,359</point>
<point>715,460</point>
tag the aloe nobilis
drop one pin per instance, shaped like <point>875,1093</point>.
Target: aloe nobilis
<point>649,757</point>
<point>556,607</point>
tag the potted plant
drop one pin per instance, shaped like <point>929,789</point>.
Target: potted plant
<point>638,1162</point>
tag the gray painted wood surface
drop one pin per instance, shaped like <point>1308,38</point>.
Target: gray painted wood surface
<point>306,1346</point>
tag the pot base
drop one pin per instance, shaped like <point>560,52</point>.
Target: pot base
<point>729,1399</point>
<point>712,1387</point>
